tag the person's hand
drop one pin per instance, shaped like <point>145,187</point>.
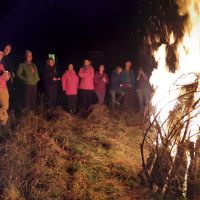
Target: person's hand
<point>54,79</point>
<point>104,79</point>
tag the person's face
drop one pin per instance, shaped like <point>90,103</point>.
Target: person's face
<point>128,65</point>
<point>101,68</point>
<point>51,63</point>
<point>1,55</point>
<point>29,57</point>
<point>87,63</point>
<point>70,67</point>
<point>119,70</point>
<point>7,50</point>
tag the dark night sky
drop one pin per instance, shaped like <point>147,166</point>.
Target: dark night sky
<point>72,28</point>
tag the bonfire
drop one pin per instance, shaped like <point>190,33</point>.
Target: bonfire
<point>172,135</point>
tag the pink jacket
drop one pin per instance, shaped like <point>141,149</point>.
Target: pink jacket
<point>3,80</point>
<point>99,84</point>
<point>70,82</point>
<point>86,78</point>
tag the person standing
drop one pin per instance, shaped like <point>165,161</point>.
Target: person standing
<point>100,82</point>
<point>51,83</point>
<point>86,86</point>
<point>28,73</point>
<point>116,91</point>
<point>128,81</point>
<point>70,82</point>
<point>7,61</point>
<point>4,95</point>
<point>8,66</point>
<point>143,90</point>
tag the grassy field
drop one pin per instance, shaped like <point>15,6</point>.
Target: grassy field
<point>54,156</point>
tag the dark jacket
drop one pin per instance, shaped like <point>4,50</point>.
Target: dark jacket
<point>128,79</point>
<point>115,81</point>
<point>49,74</point>
<point>8,64</point>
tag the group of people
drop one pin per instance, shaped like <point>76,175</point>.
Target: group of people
<point>79,88</point>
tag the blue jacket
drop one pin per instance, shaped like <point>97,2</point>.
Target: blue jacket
<point>115,81</point>
<point>128,78</point>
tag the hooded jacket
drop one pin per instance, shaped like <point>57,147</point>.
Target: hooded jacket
<point>86,75</point>
<point>70,82</point>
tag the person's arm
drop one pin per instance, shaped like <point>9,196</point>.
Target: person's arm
<point>63,82</point>
<point>83,73</point>
<point>86,73</point>
<point>20,73</point>
<point>36,73</point>
<point>77,81</point>
<point>106,79</point>
<point>138,77</point>
<point>97,78</point>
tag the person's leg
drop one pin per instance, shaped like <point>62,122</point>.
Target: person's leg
<point>112,95</point>
<point>54,96</point>
<point>146,97</point>
<point>121,94</point>
<point>101,99</point>
<point>4,101</point>
<point>69,103</point>
<point>34,99</point>
<point>141,99</point>
<point>49,96</point>
<point>27,93</point>
<point>89,96</point>
<point>75,104</point>
<point>80,98</point>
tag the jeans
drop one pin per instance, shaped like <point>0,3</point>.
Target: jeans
<point>116,96</point>
<point>144,98</point>
<point>4,101</point>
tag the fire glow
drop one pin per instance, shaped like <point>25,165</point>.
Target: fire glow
<point>175,114</point>
<point>165,82</point>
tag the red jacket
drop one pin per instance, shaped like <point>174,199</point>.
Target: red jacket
<point>99,84</point>
<point>86,75</point>
<point>70,82</point>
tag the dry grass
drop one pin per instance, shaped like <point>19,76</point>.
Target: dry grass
<point>54,156</point>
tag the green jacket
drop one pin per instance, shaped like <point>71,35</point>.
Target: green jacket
<point>25,74</point>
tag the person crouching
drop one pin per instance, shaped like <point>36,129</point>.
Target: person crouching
<point>4,95</point>
<point>70,82</point>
